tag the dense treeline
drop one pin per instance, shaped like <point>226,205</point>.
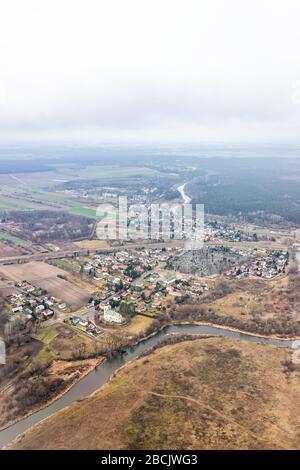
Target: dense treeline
<point>283,326</point>
<point>22,166</point>
<point>266,190</point>
<point>42,226</point>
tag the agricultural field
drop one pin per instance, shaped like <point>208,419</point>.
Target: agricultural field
<point>92,244</point>
<point>45,276</point>
<point>109,174</point>
<point>15,240</point>
<point>16,203</point>
<point>34,180</point>
<point>209,393</point>
<point>67,265</point>
<point>31,271</point>
<point>8,250</point>
<point>85,211</point>
<point>65,291</point>
<point>6,289</point>
<point>20,198</point>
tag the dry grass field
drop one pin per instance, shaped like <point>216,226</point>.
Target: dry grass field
<point>92,244</point>
<point>137,325</point>
<point>30,271</point>
<point>210,393</point>
<point>256,298</point>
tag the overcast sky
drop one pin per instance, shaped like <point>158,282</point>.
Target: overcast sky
<point>150,71</point>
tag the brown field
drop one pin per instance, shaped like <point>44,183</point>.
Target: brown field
<point>6,289</point>
<point>212,393</point>
<point>7,250</point>
<point>92,244</point>
<point>30,271</point>
<point>34,179</point>
<point>44,275</point>
<point>64,290</point>
<point>264,299</point>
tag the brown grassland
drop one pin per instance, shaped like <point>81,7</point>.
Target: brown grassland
<point>209,393</point>
<point>249,298</point>
<point>92,244</point>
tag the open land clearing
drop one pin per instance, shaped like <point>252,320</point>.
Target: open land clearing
<point>250,298</point>
<point>92,244</point>
<point>15,240</point>
<point>44,275</point>
<point>34,179</point>
<point>7,289</point>
<point>86,211</point>
<point>209,393</point>
<point>30,271</point>
<point>69,293</point>
<point>8,250</point>
<point>110,174</point>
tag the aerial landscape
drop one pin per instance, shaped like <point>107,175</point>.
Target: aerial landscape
<point>149,228</point>
<point>71,302</point>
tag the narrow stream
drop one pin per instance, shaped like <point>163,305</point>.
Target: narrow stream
<point>99,376</point>
<point>185,197</point>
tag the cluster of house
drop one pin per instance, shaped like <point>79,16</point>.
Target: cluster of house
<point>225,232</point>
<point>88,325</point>
<point>135,282</point>
<point>30,303</point>
<point>110,194</point>
<point>149,295</point>
<point>115,272</point>
<point>262,264</point>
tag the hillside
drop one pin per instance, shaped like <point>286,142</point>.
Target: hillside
<point>209,393</point>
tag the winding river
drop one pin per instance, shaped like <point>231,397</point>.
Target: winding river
<point>99,376</point>
<point>185,197</point>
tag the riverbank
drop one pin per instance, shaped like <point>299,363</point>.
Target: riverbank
<point>94,363</point>
<point>96,378</point>
<point>236,330</point>
<point>181,189</point>
<point>60,368</point>
<point>170,394</point>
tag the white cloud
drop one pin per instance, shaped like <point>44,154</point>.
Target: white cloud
<point>138,70</point>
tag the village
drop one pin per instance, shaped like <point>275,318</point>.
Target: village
<point>129,283</point>
<point>133,283</point>
<point>260,263</point>
<point>113,287</point>
<point>124,284</point>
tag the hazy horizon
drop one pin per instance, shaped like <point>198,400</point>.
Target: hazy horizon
<point>156,73</point>
<point>58,150</point>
